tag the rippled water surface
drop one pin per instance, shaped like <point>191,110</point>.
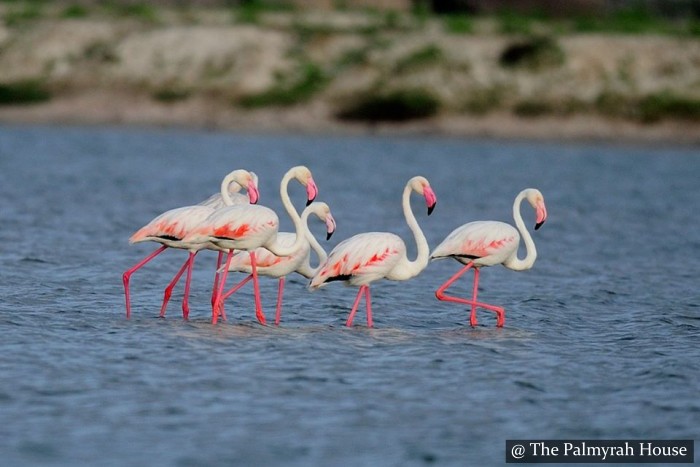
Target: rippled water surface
<point>601,337</point>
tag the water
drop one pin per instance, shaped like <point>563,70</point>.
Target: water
<point>601,336</point>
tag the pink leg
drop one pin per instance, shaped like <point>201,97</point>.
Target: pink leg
<point>127,276</point>
<point>368,302</point>
<point>500,312</point>
<point>475,292</point>
<point>237,287</point>
<point>169,289</point>
<point>254,276</point>
<point>440,294</point>
<point>219,259</point>
<point>188,280</point>
<point>348,323</point>
<point>278,311</point>
<point>218,300</point>
<point>256,289</point>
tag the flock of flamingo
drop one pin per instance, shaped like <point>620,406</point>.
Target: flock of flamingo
<point>247,235</point>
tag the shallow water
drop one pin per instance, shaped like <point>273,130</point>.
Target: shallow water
<point>601,336</point>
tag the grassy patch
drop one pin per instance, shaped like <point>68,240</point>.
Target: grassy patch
<point>649,108</point>
<point>533,54</point>
<point>309,80</point>
<point>75,12</point>
<point>142,11</point>
<point>662,105</point>
<point>23,92</point>
<point>169,95</point>
<point>427,56</point>
<point>397,106</point>
<point>624,21</point>
<point>459,24</point>
<point>22,13</point>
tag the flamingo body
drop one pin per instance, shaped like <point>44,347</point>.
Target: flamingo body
<point>362,259</point>
<point>485,243</point>
<point>170,227</point>
<point>238,227</point>
<point>268,263</point>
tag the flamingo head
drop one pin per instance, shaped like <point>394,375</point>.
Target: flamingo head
<point>323,211</point>
<point>330,224</point>
<point>536,200</point>
<point>241,179</point>
<point>421,186</point>
<point>303,175</point>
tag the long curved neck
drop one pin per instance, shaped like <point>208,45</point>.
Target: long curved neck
<point>301,231</point>
<point>412,268</point>
<point>305,269</point>
<point>318,249</point>
<point>286,201</point>
<point>516,263</point>
<point>225,193</point>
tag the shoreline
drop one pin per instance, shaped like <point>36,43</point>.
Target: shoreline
<point>105,108</point>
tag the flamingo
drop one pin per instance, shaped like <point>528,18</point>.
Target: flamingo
<point>271,265</point>
<point>487,243</point>
<point>367,257</point>
<point>247,227</point>
<point>217,201</point>
<point>170,227</point>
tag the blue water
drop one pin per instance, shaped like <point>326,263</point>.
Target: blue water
<point>601,338</point>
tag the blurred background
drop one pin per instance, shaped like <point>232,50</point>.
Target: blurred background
<point>543,68</point>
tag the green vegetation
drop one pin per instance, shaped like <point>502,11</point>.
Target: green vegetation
<point>22,13</point>
<point>459,24</point>
<point>533,54</point>
<point>142,11</point>
<point>429,55</point>
<point>625,21</point>
<point>303,85</point>
<point>75,12</point>
<point>23,92</point>
<point>649,108</point>
<point>171,94</point>
<point>397,106</point>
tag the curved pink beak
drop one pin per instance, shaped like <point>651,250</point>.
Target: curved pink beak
<point>253,194</point>
<point>330,226</point>
<point>430,198</point>
<point>311,191</point>
<point>541,213</point>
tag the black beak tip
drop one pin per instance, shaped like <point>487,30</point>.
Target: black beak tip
<point>329,235</point>
<point>309,201</point>
<point>430,209</point>
<point>538,225</point>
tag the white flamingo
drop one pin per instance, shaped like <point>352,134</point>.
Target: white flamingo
<point>247,227</point>
<point>367,257</point>
<point>487,243</point>
<point>169,229</point>
<point>272,265</point>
